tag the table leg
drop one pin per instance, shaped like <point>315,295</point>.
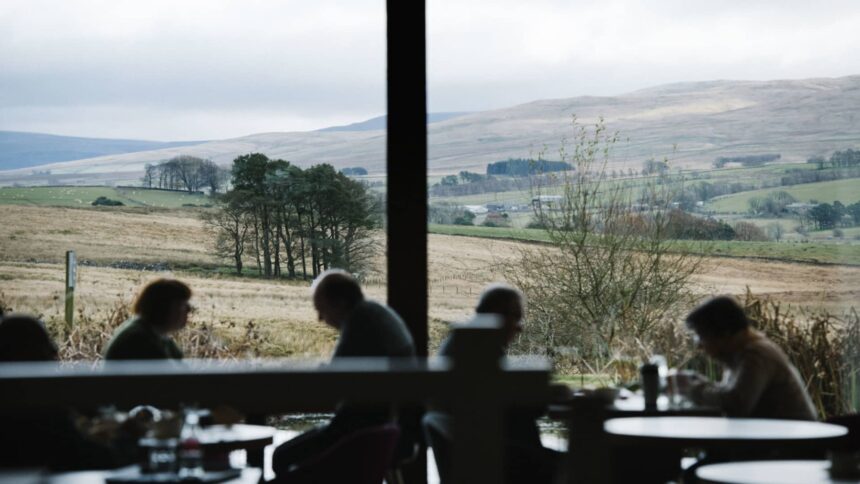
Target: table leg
<point>257,457</point>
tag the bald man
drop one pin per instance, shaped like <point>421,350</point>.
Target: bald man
<point>366,329</point>
<point>526,460</point>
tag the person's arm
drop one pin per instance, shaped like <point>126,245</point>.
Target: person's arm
<point>739,396</point>
<point>358,336</point>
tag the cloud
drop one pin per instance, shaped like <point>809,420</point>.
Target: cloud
<point>211,69</point>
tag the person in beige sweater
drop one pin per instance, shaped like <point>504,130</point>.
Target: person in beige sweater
<point>758,380</point>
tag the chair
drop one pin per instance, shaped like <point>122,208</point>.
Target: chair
<point>403,457</point>
<point>437,428</point>
<point>852,422</point>
<point>362,457</point>
<point>409,445</point>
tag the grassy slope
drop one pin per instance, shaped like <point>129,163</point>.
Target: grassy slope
<point>847,191</point>
<point>761,174</point>
<point>84,196</point>
<point>790,252</point>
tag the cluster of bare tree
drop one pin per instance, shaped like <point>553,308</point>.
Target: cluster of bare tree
<point>295,223</point>
<point>185,172</point>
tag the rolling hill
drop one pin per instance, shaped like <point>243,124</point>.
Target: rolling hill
<point>691,123</point>
<point>24,150</point>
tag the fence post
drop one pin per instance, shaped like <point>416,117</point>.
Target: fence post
<point>71,276</point>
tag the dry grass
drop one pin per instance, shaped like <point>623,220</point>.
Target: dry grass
<point>145,235</point>
<point>824,347</point>
<point>278,314</point>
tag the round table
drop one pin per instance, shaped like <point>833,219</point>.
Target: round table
<point>248,476</point>
<point>227,438</point>
<point>722,432</point>
<point>218,441</point>
<point>633,405</point>
<point>770,472</point>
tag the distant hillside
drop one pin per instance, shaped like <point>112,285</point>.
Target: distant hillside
<point>22,150</point>
<point>378,122</point>
<point>691,123</point>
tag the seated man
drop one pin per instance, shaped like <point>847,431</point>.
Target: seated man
<point>366,329</point>
<point>758,379</point>
<point>526,459</point>
<point>161,309</point>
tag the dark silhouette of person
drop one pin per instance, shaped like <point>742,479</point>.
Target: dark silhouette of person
<point>367,329</point>
<point>758,379</point>
<point>526,459</point>
<point>43,439</point>
<point>160,310</point>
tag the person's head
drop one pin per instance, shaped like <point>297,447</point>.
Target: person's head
<point>24,338</point>
<point>507,302</point>
<point>336,294</point>
<point>164,305</point>
<point>716,323</point>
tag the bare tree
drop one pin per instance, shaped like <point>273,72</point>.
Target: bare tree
<point>231,223</point>
<point>610,279</point>
<point>149,175</point>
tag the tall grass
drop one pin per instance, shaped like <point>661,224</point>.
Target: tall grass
<point>824,347</point>
<point>93,327</point>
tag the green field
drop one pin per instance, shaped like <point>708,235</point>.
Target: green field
<point>846,191</point>
<point>761,174</point>
<point>810,252</point>
<point>84,196</point>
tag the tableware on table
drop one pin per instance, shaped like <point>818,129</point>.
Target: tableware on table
<point>662,369</point>
<point>160,456</point>
<point>190,450</point>
<point>678,386</point>
<point>607,394</point>
<point>650,378</point>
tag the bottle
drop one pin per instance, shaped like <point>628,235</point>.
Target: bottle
<point>650,375</point>
<point>662,370</point>
<point>190,449</point>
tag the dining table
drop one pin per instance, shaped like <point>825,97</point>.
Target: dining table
<point>246,476</point>
<point>657,444</point>
<point>723,432</point>
<point>218,441</point>
<point>771,472</point>
<point>629,404</point>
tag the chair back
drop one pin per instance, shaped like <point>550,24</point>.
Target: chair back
<point>361,457</point>
<point>437,427</point>
<point>852,422</point>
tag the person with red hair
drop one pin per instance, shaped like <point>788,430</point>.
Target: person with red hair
<point>160,310</point>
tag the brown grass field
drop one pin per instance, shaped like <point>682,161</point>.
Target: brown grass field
<point>33,241</point>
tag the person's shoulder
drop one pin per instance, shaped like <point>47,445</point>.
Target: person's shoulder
<point>131,340</point>
<point>126,330</point>
<point>763,349</point>
<point>380,311</point>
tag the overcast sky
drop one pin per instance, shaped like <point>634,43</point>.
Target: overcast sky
<point>211,69</point>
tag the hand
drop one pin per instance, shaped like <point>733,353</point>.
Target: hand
<point>680,382</point>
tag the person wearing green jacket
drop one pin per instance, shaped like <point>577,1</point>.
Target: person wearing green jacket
<point>161,309</point>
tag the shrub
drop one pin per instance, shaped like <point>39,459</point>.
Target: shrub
<point>838,233</point>
<point>107,202</point>
<point>536,223</point>
<point>682,225</point>
<point>467,218</point>
<point>601,285</point>
<point>749,232</point>
<point>824,347</point>
<point>497,220</point>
